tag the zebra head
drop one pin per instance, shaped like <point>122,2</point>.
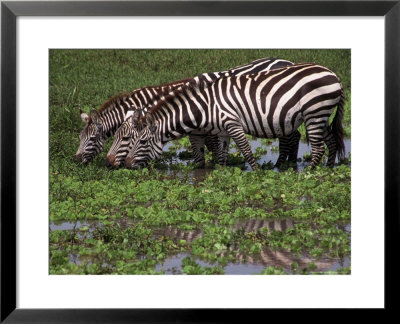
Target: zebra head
<point>91,137</point>
<point>147,146</point>
<point>123,139</point>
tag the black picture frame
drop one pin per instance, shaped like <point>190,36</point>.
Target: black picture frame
<point>10,10</point>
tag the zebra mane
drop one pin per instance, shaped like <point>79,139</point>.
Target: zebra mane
<point>123,96</point>
<point>118,98</point>
<point>170,83</point>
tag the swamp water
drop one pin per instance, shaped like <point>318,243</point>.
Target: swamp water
<point>269,159</point>
<point>242,264</point>
<point>272,152</point>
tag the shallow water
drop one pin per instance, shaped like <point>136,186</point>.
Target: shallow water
<point>244,264</point>
<point>304,147</point>
<point>272,152</point>
<point>200,174</point>
<point>69,226</point>
<point>172,265</point>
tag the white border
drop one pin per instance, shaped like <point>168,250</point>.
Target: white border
<point>364,288</point>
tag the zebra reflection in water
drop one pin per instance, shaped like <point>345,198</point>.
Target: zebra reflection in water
<point>267,257</point>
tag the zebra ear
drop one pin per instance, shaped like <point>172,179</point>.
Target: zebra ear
<point>95,117</point>
<point>84,116</point>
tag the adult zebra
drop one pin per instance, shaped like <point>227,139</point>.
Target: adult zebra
<point>288,146</point>
<point>269,104</point>
<point>104,122</point>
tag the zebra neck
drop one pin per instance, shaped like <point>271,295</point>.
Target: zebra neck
<point>112,119</point>
<point>183,113</point>
<point>170,130</point>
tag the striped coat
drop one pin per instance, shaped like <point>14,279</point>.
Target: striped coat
<point>103,123</point>
<point>271,104</point>
<point>218,144</point>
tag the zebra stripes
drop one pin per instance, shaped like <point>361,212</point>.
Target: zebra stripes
<point>218,145</point>
<point>103,123</point>
<point>271,104</point>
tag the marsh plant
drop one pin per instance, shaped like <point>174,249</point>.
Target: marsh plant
<point>207,221</point>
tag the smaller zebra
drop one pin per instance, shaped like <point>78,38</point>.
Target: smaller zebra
<point>104,122</point>
<point>288,147</point>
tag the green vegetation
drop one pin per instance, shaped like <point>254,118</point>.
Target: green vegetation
<point>133,221</point>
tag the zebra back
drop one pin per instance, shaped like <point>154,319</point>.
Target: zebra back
<point>120,147</point>
<point>269,104</point>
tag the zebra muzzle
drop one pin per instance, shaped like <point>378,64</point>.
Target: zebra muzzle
<point>110,161</point>
<point>81,159</point>
<point>129,162</point>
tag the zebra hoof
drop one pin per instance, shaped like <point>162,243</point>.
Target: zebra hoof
<point>200,165</point>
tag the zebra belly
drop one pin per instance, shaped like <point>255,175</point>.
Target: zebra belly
<point>291,123</point>
<point>258,121</point>
<point>209,130</point>
<point>293,118</point>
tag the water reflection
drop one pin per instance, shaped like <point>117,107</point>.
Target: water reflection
<point>77,226</point>
<point>271,155</point>
<point>248,226</point>
<point>249,265</point>
<point>244,263</point>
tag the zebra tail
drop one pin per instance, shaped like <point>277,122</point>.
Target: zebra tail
<point>337,127</point>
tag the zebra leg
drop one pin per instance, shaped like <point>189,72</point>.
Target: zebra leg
<point>241,141</point>
<point>317,151</point>
<point>212,143</point>
<point>318,130</point>
<point>294,146</point>
<point>288,148</point>
<point>284,150</point>
<point>332,149</point>
<point>197,142</point>
<point>223,148</point>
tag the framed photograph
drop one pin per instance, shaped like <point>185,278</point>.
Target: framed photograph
<point>85,240</point>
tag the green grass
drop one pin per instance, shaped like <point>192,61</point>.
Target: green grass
<point>127,210</point>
